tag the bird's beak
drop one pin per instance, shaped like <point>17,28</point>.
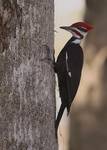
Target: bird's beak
<point>66,28</point>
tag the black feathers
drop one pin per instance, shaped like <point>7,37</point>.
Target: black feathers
<point>68,68</point>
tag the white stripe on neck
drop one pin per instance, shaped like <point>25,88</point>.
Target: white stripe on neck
<point>83,33</point>
<point>76,41</point>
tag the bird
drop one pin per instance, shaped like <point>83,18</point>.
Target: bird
<point>68,66</point>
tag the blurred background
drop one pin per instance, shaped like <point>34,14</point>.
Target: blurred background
<point>87,123</point>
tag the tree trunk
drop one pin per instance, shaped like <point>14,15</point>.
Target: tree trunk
<point>90,115</point>
<point>27,84</point>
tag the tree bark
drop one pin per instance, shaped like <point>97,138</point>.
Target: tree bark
<point>27,82</point>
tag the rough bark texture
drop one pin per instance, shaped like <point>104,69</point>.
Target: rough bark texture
<point>27,100</point>
<point>89,116</point>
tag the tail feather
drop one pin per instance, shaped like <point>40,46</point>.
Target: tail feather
<point>68,109</point>
<point>60,113</point>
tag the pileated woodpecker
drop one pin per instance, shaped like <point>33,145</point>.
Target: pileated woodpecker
<point>69,66</point>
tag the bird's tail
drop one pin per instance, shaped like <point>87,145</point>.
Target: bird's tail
<point>59,116</point>
<point>68,109</point>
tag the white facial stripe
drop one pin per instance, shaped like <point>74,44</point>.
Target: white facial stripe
<point>83,28</point>
<point>76,41</point>
<point>76,29</point>
<point>76,35</point>
<point>81,32</point>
